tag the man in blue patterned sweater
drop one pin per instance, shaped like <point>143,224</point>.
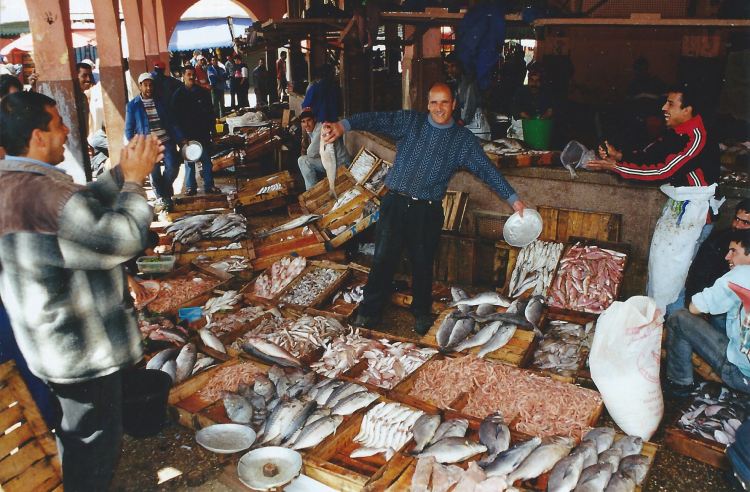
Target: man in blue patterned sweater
<point>430,148</point>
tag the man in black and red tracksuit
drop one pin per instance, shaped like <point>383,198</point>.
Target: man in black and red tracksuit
<point>685,160</point>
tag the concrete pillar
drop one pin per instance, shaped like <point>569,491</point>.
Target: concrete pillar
<point>150,34</point>
<point>131,12</point>
<point>161,32</point>
<point>49,21</point>
<point>111,75</point>
<point>316,57</point>
<point>393,49</point>
<point>356,78</point>
<point>421,67</point>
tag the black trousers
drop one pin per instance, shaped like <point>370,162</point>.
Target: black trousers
<point>404,222</point>
<point>88,431</point>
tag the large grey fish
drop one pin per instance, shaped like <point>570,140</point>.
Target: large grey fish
<point>507,461</point>
<point>211,340</point>
<point>635,466</point>
<point>202,363</point>
<point>518,320</point>
<point>604,437</point>
<point>445,329</point>
<point>185,363</point>
<point>238,409</point>
<point>629,445</point>
<point>292,224</point>
<point>542,459</point>
<point>246,392</point>
<point>272,350</point>
<point>170,367</point>
<point>480,338</point>
<point>298,420</point>
<point>620,482</point>
<point>327,390</point>
<point>533,313</point>
<point>424,429</point>
<point>564,475</point>
<point>328,159</point>
<point>264,387</point>
<point>450,428</point>
<point>458,294</point>
<point>280,419</point>
<point>352,403</point>
<point>518,306</point>
<point>489,297</point>
<point>495,434</point>
<point>342,392</point>
<point>611,456</point>
<point>161,358</point>
<point>453,449</point>
<point>589,452</point>
<point>313,392</point>
<point>594,478</point>
<point>501,337</point>
<point>302,386</point>
<point>318,430</point>
<point>485,309</point>
<point>461,330</point>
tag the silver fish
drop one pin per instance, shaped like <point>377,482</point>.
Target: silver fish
<point>272,350</point>
<point>352,403</point>
<point>185,363</point>
<point>314,433</point>
<point>202,363</point>
<point>162,357</point>
<point>326,391</point>
<point>533,313</point>
<point>519,321</point>
<point>620,482</point>
<point>604,437</point>
<point>611,456</point>
<point>298,420</point>
<point>629,445</point>
<point>485,309</point>
<point>543,458</point>
<point>453,449</point>
<point>564,475</point>
<point>292,224</point>
<point>494,433</point>
<point>264,387</point>
<point>280,419</point>
<point>238,409</point>
<point>458,294</point>
<point>489,297</point>
<point>342,392</point>
<point>211,340</point>
<point>480,338</point>
<point>461,330</point>
<point>450,428</point>
<point>635,466</point>
<point>507,461</point>
<point>424,429</point>
<point>589,452</point>
<point>498,340</point>
<point>170,367</point>
<point>328,159</point>
<point>445,329</point>
<point>594,478</point>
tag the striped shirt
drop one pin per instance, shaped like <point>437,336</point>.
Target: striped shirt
<point>428,154</point>
<point>154,122</point>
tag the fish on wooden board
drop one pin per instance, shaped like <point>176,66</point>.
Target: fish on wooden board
<point>501,338</point>
<point>292,224</point>
<point>495,434</point>
<point>543,458</point>
<point>564,475</point>
<point>507,461</point>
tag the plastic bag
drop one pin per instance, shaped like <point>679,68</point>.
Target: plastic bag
<point>576,155</point>
<point>625,362</point>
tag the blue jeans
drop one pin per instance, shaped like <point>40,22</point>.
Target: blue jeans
<point>688,333</point>
<point>680,302</point>
<point>162,181</point>
<point>206,169</point>
<point>310,167</point>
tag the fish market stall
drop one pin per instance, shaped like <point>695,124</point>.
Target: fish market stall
<point>265,193</point>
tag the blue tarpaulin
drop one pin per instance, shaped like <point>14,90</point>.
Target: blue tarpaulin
<point>206,33</point>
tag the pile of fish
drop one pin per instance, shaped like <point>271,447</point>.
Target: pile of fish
<point>561,349</point>
<point>310,286</point>
<point>190,229</point>
<point>348,196</point>
<point>270,352</point>
<point>493,330</point>
<point>269,188</point>
<point>233,245</point>
<point>361,166</point>
<point>225,322</point>
<point>278,276</point>
<point>385,429</point>
<point>505,146</point>
<point>290,409</point>
<point>377,179</point>
<point>180,364</point>
<point>178,290</point>
<point>228,264</point>
<point>341,354</point>
<point>300,336</point>
<point>227,300</point>
<point>716,413</point>
<point>227,378</point>
<point>388,362</point>
<point>336,227</point>
<point>587,279</point>
<point>351,295</point>
<point>535,267</point>
<point>159,328</point>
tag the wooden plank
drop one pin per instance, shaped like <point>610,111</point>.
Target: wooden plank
<point>559,224</point>
<point>696,446</point>
<point>15,464</point>
<point>14,439</point>
<point>39,477</point>
<point>184,203</point>
<point>185,256</point>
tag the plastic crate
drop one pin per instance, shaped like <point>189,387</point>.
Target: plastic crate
<point>164,266</point>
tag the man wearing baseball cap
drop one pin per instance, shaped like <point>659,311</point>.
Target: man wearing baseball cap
<point>311,163</point>
<point>149,114</point>
<point>164,84</point>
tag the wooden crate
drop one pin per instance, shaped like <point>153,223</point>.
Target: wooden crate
<point>547,158</point>
<point>196,203</point>
<point>346,215</point>
<point>248,289</point>
<point>517,352</point>
<point>272,248</point>
<point>185,256</point>
<point>696,446</point>
<point>358,170</point>
<point>367,182</point>
<point>456,260</point>
<point>506,257</point>
<point>195,268</point>
<point>257,150</point>
<point>559,224</point>
<point>312,200</point>
<point>583,373</point>
<point>329,291</point>
<point>339,308</point>
<point>35,465</point>
<point>224,161</point>
<point>454,209</point>
<point>250,200</point>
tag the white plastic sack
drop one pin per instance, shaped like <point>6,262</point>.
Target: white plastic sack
<point>625,361</point>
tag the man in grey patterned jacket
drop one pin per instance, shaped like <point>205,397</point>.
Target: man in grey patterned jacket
<point>61,278</point>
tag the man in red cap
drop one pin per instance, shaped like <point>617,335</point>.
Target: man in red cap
<point>164,85</point>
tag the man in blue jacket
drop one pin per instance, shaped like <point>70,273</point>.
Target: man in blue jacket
<point>216,79</point>
<point>145,115</point>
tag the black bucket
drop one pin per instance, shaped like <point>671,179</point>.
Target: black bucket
<point>145,393</point>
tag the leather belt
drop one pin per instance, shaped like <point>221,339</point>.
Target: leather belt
<point>414,198</point>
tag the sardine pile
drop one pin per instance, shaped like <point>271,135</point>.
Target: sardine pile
<point>190,229</point>
<point>228,264</point>
<point>348,196</point>
<point>388,362</point>
<point>180,364</point>
<point>385,429</point>
<point>341,354</point>
<point>535,267</point>
<point>587,279</point>
<point>227,300</point>
<point>560,350</point>
<point>178,290</point>
<point>377,179</point>
<point>269,188</point>
<point>300,336</point>
<point>716,413</point>
<point>310,286</point>
<point>351,295</point>
<point>361,166</point>
<point>234,245</point>
<point>278,276</point>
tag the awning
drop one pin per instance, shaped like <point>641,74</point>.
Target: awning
<point>206,33</point>
<point>25,43</point>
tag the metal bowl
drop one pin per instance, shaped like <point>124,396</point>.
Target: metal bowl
<point>519,232</point>
<point>192,151</point>
<point>226,438</point>
<point>287,464</point>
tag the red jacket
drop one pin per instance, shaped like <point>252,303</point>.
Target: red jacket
<point>683,156</point>
<point>280,69</point>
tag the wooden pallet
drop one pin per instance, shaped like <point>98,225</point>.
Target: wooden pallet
<point>516,352</point>
<point>197,269</point>
<point>34,463</point>
<point>454,209</point>
<point>185,256</point>
<point>559,224</point>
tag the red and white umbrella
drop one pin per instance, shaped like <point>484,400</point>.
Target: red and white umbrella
<point>25,43</point>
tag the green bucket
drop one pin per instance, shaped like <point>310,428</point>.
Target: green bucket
<point>537,133</point>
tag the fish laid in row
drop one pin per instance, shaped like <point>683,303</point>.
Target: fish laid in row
<point>535,267</point>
